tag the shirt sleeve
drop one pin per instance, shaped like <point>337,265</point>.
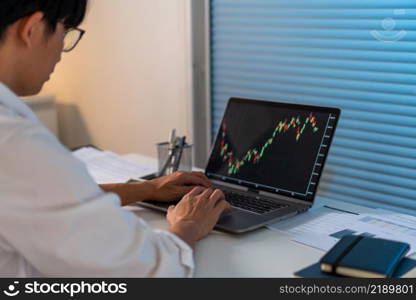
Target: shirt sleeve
<point>56,217</point>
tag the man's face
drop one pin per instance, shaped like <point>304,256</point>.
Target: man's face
<point>42,58</point>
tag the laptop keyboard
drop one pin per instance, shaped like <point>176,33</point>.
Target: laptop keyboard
<point>251,203</point>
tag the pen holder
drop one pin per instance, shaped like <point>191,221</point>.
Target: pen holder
<point>185,163</point>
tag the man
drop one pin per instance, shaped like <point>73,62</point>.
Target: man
<point>54,220</point>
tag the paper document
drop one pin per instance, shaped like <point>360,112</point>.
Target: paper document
<point>406,224</point>
<point>321,220</point>
<point>108,167</point>
<point>322,228</point>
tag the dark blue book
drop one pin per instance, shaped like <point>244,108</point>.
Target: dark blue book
<point>314,271</point>
<point>361,256</point>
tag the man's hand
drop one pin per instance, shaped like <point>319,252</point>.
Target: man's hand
<point>165,189</point>
<point>173,187</point>
<point>196,214</point>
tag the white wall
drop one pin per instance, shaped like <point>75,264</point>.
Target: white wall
<point>128,81</point>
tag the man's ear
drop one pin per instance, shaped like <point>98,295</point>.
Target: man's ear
<point>30,28</point>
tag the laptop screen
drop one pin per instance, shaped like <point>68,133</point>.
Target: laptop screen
<point>275,147</point>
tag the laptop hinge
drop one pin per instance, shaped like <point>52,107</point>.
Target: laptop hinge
<point>285,198</point>
<point>229,185</point>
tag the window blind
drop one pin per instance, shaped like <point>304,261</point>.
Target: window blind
<point>356,55</point>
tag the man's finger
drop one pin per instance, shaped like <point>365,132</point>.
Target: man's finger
<point>202,176</point>
<point>222,206</point>
<point>186,189</point>
<point>206,194</point>
<point>216,196</point>
<point>196,191</point>
<point>191,179</point>
<point>172,207</point>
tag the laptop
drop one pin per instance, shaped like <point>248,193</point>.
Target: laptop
<point>268,158</point>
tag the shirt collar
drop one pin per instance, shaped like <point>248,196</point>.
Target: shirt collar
<point>14,103</point>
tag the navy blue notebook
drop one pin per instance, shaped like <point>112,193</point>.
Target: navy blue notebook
<point>314,271</point>
<point>362,256</point>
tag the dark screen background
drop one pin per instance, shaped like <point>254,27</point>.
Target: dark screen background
<point>287,164</point>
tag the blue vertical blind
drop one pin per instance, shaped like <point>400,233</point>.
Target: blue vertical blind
<point>359,55</point>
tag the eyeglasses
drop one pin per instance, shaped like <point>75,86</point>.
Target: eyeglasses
<point>72,38</point>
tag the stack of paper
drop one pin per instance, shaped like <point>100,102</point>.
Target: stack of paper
<point>108,167</point>
<point>323,227</point>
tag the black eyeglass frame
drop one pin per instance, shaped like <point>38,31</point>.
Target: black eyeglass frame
<point>81,34</point>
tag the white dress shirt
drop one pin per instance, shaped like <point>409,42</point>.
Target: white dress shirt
<point>55,221</point>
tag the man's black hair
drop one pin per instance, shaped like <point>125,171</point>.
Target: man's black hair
<point>70,12</point>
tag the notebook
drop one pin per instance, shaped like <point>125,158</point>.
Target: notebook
<point>406,268</point>
<point>363,256</point>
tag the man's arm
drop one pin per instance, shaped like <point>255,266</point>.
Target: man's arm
<point>55,217</point>
<point>164,189</point>
<point>130,192</point>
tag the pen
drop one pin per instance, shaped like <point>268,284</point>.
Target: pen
<point>168,162</point>
<point>182,143</point>
<point>172,149</point>
<point>172,139</point>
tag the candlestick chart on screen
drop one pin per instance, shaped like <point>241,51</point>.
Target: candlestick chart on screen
<point>295,127</point>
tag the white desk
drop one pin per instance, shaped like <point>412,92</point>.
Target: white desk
<point>262,253</point>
